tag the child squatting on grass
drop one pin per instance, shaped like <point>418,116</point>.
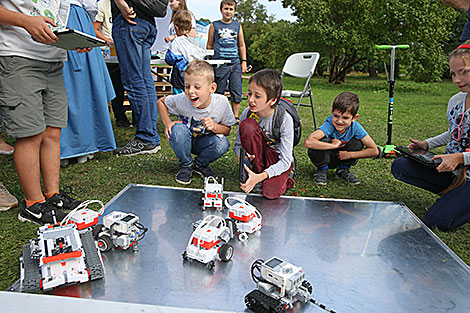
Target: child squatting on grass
<point>339,142</point>
<point>271,160</point>
<point>205,121</point>
<point>451,178</point>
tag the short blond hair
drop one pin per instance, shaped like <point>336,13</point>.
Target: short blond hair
<point>200,68</point>
<point>183,20</point>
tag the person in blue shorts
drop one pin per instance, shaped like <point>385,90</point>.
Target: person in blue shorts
<point>227,39</point>
<point>339,142</point>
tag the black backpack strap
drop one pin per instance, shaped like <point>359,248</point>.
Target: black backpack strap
<point>278,118</point>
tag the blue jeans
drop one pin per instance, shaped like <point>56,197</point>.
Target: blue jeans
<point>133,43</point>
<point>233,74</point>
<point>208,148</point>
<point>451,210</point>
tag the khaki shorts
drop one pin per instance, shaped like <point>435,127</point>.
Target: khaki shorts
<point>32,96</point>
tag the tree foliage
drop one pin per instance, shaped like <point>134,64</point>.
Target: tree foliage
<point>345,32</point>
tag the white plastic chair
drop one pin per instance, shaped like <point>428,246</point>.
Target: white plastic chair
<point>301,65</point>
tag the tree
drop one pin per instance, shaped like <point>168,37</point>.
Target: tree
<point>345,31</point>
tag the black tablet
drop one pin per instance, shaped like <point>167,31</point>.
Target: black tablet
<point>422,156</point>
<point>71,39</point>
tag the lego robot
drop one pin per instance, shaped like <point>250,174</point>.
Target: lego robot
<point>213,193</point>
<point>119,229</point>
<point>246,218</point>
<point>280,285</point>
<point>60,255</point>
<point>209,239</point>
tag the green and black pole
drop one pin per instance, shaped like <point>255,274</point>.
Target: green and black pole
<point>389,148</point>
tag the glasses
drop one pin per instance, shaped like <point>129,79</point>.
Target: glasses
<point>457,132</point>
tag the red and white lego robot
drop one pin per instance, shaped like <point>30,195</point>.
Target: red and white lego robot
<point>213,193</point>
<point>209,239</point>
<point>246,217</point>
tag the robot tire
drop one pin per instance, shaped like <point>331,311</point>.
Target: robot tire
<point>92,257</point>
<point>258,302</point>
<point>30,274</point>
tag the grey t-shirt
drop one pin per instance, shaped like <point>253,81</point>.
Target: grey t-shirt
<point>284,147</point>
<point>219,110</point>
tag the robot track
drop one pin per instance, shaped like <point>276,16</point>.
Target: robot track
<point>258,302</point>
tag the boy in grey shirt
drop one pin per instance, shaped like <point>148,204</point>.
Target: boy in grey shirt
<point>271,160</point>
<point>205,121</point>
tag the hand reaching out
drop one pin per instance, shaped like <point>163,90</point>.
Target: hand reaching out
<point>415,144</point>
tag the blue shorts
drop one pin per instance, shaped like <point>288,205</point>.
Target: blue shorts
<point>233,74</point>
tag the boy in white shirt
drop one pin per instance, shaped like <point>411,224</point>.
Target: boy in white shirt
<point>206,120</point>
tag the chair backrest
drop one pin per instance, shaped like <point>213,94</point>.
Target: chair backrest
<point>301,64</point>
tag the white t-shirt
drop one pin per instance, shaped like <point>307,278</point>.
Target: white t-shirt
<point>104,16</point>
<point>16,41</point>
<point>219,109</point>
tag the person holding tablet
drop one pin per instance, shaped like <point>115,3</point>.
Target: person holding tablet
<point>451,178</point>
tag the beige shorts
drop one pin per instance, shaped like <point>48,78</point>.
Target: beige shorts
<point>32,96</point>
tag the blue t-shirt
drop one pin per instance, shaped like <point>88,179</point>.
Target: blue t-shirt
<point>226,40</point>
<point>355,130</point>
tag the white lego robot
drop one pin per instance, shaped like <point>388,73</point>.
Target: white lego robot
<point>213,193</point>
<point>119,229</point>
<point>280,285</point>
<point>60,255</point>
<point>83,217</point>
<point>246,217</point>
<point>209,239</point>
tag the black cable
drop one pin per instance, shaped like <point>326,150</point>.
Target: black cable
<point>143,228</point>
<point>322,306</point>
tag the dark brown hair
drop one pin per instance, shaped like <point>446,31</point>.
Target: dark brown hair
<point>346,102</point>
<point>228,2</point>
<point>182,6</point>
<point>270,81</point>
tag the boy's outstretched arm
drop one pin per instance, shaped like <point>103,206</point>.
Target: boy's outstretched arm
<point>165,116</point>
<point>36,26</point>
<point>370,151</point>
<point>242,49</point>
<point>210,38</point>
<point>313,141</point>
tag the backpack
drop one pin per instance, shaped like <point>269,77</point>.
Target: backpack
<point>156,8</point>
<point>281,108</point>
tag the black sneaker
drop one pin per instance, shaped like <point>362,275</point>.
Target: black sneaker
<point>41,213</point>
<point>320,177</point>
<point>123,123</point>
<point>184,175</point>
<point>204,171</point>
<point>136,146</point>
<point>348,176</point>
<point>64,201</point>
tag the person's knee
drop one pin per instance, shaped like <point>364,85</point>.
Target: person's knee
<point>222,146</point>
<point>52,133</point>
<point>248,126</point>
<point>398,167</point>
<point>178,132</point>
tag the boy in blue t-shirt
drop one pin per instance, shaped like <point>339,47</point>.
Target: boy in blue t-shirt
<point>227,39</point>
<point>339,142</point>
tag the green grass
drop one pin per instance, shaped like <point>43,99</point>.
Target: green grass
<point>419,113</point>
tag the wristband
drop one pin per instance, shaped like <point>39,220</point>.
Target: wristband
<point>244,60</point>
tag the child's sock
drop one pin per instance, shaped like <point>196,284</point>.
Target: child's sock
<point>49,195</point>
<point>344,166</point>
<point>33,202</point>
<point>323,168</point>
